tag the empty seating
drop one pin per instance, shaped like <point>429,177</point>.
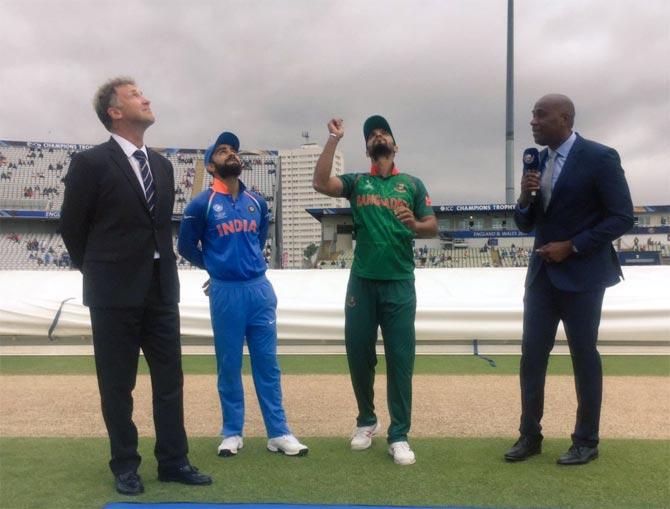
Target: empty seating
<point>466,257</point>
<point>31,175</point>
<point>31,251</point>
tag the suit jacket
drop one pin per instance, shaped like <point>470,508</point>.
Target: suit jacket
<point>109,232</point>
<point>591,206</point>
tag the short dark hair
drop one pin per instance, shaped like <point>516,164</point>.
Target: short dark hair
<point>105,97</point>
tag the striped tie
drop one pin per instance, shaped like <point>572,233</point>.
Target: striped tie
<point>147,179</point>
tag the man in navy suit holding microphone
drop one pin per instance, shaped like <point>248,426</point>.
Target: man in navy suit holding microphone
<point>577,205</point>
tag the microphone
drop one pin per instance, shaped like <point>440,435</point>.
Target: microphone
<point>531,162</point>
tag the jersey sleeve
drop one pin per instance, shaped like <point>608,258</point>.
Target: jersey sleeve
<point>422,202</point>
<point>265,222</point>
<point>348,183</point>
<point>193,223</point>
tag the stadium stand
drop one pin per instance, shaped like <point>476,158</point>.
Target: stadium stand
<point>512,256</point>
<point>45,251</point>
<point>470,257</point>
<point>31,176</point>
<point>430,258</point>
<point>184,175</point>
<point>33,251</point>
<point>31,187</point>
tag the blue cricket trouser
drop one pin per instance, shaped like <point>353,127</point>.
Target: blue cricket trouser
<point>242,309</point>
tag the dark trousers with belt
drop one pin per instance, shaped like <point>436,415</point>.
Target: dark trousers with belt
<point>118,336</point>
<point>544,306</point>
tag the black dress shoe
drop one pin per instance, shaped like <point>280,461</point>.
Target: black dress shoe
<point>187,474</point>
<point>524,448</point>
<point>578,455</point>
<point>129,483</point>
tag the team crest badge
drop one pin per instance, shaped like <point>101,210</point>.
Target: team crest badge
<point>251,209</point>
<point>351,301</point>
<point>217,207</point>
<point>400,188</point>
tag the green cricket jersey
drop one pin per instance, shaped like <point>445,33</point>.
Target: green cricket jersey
<point>383,243</point>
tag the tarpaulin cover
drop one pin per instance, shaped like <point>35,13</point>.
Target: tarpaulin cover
<point>453,304</point>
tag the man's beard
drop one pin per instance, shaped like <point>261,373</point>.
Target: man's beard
<point>231,167</point>
<point>379,150</point>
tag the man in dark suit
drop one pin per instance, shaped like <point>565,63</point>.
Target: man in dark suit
<point>582,205</point>
<point>116,224</point>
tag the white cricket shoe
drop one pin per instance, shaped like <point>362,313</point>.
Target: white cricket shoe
<point>287,444</point>
<point>402,454</point>
<point>230,445</point>
<point>362,437</point>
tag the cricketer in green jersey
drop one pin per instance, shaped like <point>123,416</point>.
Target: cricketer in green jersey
<point>389,210</point>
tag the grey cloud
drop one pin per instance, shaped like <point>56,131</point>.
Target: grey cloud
<point>270,69</point>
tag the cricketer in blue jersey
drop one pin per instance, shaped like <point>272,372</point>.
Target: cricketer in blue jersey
<point>223,231</point>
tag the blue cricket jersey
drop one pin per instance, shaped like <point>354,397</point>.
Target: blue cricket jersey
<point>225,236</point>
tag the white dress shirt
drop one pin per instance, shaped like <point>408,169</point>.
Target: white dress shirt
<point>561,155</point>
<point>129,149</point>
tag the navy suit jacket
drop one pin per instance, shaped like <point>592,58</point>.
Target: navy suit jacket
<point>591,206</point>
<point>109,232</point>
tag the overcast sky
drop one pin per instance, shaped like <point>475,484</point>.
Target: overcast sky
<point>269,70</point>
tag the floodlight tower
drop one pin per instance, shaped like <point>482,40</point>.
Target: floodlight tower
<point>509,116</point>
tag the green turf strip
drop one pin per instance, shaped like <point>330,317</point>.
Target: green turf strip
<point>72,474</point>
<point>614,365</point>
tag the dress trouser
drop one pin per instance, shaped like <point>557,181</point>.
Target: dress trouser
<point>544,306</point>
<point>118,336</point>
<point>391,305</point>
<point>239,310</point>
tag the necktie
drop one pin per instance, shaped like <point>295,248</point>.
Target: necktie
<point>546,178</point>
<point>147,179</point>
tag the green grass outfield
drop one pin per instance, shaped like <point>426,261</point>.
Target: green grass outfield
<point>72,474</point>
<point>67,473</point>
<point>613,365</point>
